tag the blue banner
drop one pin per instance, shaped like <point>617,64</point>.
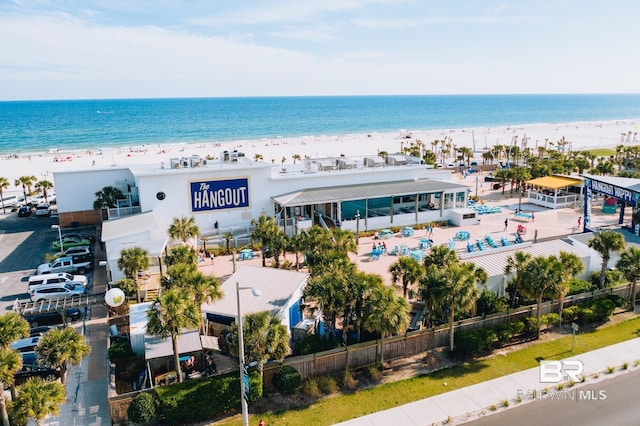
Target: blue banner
<point>219,194</point>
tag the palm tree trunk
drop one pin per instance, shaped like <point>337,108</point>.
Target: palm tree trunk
<point>63,372</point>
<point>634,284</point>
<point>176,357</point>
<point>3,407</point>
<point>538,303</point>
<point>135,280</point>
<point>451,317</point>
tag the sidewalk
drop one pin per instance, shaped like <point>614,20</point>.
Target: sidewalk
<point>474,402</point>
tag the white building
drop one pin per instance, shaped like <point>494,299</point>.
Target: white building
<point>279,293</point>
<point>225,195</point>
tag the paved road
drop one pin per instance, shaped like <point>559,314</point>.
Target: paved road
<point>619,408</point>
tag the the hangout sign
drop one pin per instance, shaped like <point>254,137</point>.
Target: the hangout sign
<point>219,194</point>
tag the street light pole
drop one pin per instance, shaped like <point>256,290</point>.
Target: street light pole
<point>59,236</point>
<point>243,401</point>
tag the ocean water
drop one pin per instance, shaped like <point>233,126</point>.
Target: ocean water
<point>36,126</point>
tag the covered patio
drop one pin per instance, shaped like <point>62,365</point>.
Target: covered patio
<point>555,192</point>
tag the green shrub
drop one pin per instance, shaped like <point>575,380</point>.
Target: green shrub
<point>503,332</point>
<point>286,380</point>
<point>143,408</point>
<point>374,373</point>
<point>312,344</point>
<point>550,320</point>
<point>128,286</point>
<point>468,342</point>
<point>120,348</point>
<point>517,327</point>
<point>490,303</point>
<point>530,326</point>
<point>619,301</point>
<point>577,286</point>
<point>182,403</point>
<point>570,314</point>
<point>585,316</point>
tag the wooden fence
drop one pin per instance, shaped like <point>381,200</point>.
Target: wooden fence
<point>366,354</point>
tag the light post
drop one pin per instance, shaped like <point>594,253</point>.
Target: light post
<point>476,185</point>
<point>243,391</point>
<point>357,227</point>
<point>59,236</point>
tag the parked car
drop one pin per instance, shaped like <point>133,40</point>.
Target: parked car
<point>52,318</point>
<point>74,263</point>
<point>25,345</point>
<point>43,209</point>
<point>79,235</point>
<point>54,291</point>
<point>78,250</point>
<point>59,277</point>
<point>24,211</point>
<point>40,330</point>
<point>68,242</point>
<point>32,367</point>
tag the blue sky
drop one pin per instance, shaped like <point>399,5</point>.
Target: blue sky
<point>70,49</point>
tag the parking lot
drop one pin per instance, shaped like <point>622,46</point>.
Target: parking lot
<point>24,241</point>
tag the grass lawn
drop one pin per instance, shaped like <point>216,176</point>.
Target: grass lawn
<point>350,405</point>
<point>602,152</point>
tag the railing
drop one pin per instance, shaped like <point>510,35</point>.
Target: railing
<point>415,342</point>
<point>119,212</point>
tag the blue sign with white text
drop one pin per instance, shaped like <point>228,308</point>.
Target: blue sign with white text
<point>219,194</point>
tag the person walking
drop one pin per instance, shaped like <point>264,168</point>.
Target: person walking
<point>506,224</point>
<point>261,423</point>
<point>212,256</point>
<point>579,221</point>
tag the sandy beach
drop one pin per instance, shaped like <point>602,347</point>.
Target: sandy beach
<point>579,135</point>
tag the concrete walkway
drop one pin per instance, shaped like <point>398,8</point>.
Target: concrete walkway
<point>483,399</point>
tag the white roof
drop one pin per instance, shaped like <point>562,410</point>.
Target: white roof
<point>494,263</point>
<point>134,224</point>
<point>155,248</point>
<point>275,285</point>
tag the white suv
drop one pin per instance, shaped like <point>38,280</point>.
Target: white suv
<point>43,209</point>
<point>58,277</point>
<point>54,291</point>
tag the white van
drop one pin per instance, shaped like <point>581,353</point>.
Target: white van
<point>43,209</point>
<point>60,277</point>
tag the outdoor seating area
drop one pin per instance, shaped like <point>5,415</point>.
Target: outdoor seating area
<point>407,232</point>
<point>482,209</point>
<point>246,254</point>
<point>463,235</point>
<point>386,233</point>
<point>490,241</point>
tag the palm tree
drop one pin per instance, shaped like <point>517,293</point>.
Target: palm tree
<point>408,270</point>
<point>131,261</point>
<point>265,338</point>
<point>59,347</point>
<point>184,228</point>
<point>26,182</point>
<point>4,184</point>
<point>329,291</point>
<point>202,289</point>
<point>387,314</point>
<point>571,266</point>
<point>171,313</point>
<point>456,288</point>
<point>516,264</point>
<point>12,328</point>
<point>296,157</point>
<point>38,399</point>
<point>107,198</point>
<point>629,265</point>
<point>10,362</point>
<point>182,255</point>
<point>604,243</point>
<point>265,230</point>
<point>44,186</point>
<point>542,278</point>
<point>360,286</point>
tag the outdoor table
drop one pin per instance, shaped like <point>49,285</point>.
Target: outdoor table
<point>386,233</point>
<point>425,243</point>
<point>246,254</point>
<point>407,232</point>
<point>375,254</point>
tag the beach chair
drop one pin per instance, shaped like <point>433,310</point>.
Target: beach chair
<point>470,248</point>
<point>452,244</point>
